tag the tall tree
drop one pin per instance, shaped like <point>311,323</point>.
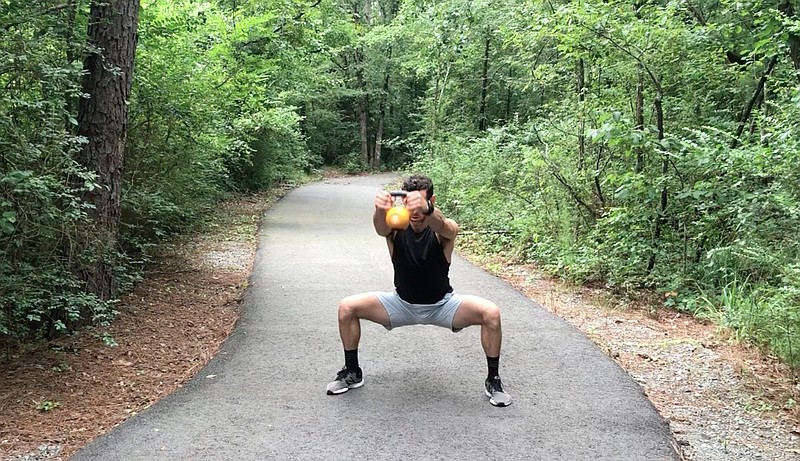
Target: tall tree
<point>103,121</point>
<point>375,161</point>
<point>361,85</point>
<point>483,123</point>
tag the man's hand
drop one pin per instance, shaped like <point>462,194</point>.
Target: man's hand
<point>383,201</point>
<point>416,202</point>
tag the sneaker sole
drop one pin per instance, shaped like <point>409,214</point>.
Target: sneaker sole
<point>345,389</point>
<point>494,402</point>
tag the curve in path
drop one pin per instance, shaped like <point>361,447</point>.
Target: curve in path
<point>263,396</point>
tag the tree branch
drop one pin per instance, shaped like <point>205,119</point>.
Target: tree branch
<point>41,13</point>
<point>749,108</point>
<point>554,171</point>
<point>296,17</point>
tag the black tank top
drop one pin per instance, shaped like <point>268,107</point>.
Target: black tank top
<point>420,268</point>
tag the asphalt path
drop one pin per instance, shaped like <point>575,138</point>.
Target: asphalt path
<point>263,396</point>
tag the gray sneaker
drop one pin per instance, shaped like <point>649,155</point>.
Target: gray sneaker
<point>345,380</point>
<point>497,396</point>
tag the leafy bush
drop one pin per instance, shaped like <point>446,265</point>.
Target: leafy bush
<point>40,293</point>
<point>274,149</point>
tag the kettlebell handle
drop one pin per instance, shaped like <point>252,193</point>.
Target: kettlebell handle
<point>398,193</point>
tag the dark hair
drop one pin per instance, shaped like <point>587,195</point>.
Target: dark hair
<point>418,182</point>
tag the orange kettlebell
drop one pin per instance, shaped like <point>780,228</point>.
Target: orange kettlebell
<point>397,216</point>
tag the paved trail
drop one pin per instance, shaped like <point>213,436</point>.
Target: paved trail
<point>263,397</point>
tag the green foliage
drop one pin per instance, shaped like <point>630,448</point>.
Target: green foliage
<point>526,114</point>
<point>39,302</point>
<point>41,186</point>
<point>48,405</point>
<point>213,110</point>
<point>572,182</point>
<point>274,150</point>
<point>759,313</point>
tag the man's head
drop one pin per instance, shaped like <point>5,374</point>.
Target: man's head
<point>419,182</point>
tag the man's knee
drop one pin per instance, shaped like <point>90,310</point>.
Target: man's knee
<point>346,309</point>
<point>362,307</point>
<point>491,315</point>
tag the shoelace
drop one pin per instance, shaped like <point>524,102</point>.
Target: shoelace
<point>342,374</point>
<point>496,385</point>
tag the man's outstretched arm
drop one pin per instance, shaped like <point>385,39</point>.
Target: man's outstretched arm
<point>446,228</point>
<point>383,201</point>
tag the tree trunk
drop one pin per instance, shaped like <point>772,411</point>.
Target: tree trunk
<point>509,95</point>
<point>376,157</point>
<point>363,104</point>
<point>598,188</point>
<point>69,30</point>
<point>581,82</point>
<point>639,109</point>
<point>362,107</point>
<point>794,40</point>
<point>103,120</point>
<point>363,122</point>
<point>482,122</point>
<point>376,164</point>
<point>70,102</point>
<point>662,208</point>
<point>368,12</point>
<point>639,116</point>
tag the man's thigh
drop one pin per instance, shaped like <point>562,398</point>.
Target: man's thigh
<point>471,311</point>
<point>367,306</point>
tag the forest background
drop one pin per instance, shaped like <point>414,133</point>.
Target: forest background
<point>647,146</point>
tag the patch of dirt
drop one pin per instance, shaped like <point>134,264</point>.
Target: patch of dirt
<point>723,400</point>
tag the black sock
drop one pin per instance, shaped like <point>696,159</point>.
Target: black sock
<point>351,360</point>
<point>494,366</point>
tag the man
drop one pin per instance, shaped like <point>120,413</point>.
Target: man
<point>421,256</point>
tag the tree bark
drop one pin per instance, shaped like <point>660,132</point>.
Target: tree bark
<point>581,82</point>
<point>376,161</point>
<point>509,94</point>
<point>103,120</point>
<point>368,12</point>
<point>662,207</point>
<point>363,104</point>
<point>639,116</point>
<point>69,29</point>
<point>482,121</point>
<point>363,112</point>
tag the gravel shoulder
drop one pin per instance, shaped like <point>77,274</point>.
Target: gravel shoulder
<point>723,400</point>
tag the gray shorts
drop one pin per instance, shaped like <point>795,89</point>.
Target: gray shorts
<point>402,313</point>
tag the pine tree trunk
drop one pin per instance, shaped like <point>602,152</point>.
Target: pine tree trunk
<point>103,119</point>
